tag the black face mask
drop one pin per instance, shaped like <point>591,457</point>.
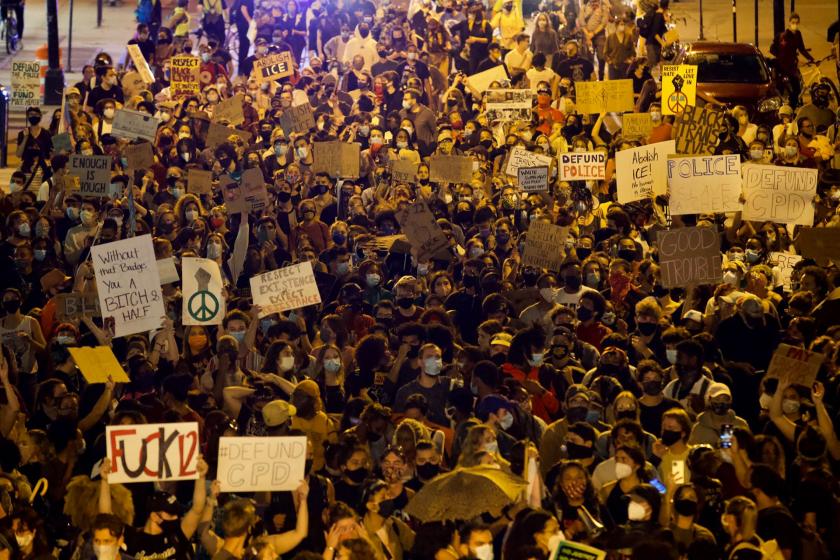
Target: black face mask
<point>413,351</point>
<point>652,387</point>
<point>625,414</point>
<point>684,507</point>
<point>670,437</point>
<point>284,196</point>
<point>659,291</point>
<point>647,329</point>
<point>386,508</point>
<point>576,414</point>
<point>470,281</point>
<point>405,302</point>
<point>721,409</point>
<point>577,451</point>
<point>11,305</point>
<point>572,282</point>
<point>583,252</point>
<point>584,313</point>
<point>307,466</point>
<point>170,525</point>
<point>358,476</point>
<point>428,471</point>
<point>627,254</point>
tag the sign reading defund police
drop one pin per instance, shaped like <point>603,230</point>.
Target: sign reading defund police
<point>152,452</point>
<point>255,464</point>
<point>128,285</point>
<point>286,288</point>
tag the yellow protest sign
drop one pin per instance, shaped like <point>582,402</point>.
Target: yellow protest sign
<point>184,73</point>
<point>611,96</point>
<point>97,364</point>
<point>679,87</point>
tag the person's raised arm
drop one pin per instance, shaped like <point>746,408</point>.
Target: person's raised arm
<point>778,418</point>
<point>240,247</point>
<point>10,411</point>
<point>101,336</point>
<point>104,487</point>
<point>394,374</point>
<point>99,408</point>
<point>824,420</point>
<point>190,521</point>
<point>251,334</point>
<point>284,542</point>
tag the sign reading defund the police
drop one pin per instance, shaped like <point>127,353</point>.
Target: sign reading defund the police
<point>203,292</point>
<point>94,173</point>
<point>779,194</point>
<point>128,285</point>
<point>290,287</point>
<point>26,84</point>
<point>255,464</point>
<point>152,452</point>
<point>642,172</point>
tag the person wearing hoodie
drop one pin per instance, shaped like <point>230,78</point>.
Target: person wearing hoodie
<point>362,44</point>
<point>718,414</point>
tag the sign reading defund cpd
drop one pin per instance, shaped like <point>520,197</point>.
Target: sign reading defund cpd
<point>128,285</point>
<point>286,288</point>
<point>254,464</point>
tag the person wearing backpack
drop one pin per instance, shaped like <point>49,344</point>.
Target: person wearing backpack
<point>739,522</point>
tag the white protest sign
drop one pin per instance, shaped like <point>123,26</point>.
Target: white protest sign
<point>168,271</point>
<point>503,104</point>
<point>704,184</point>
<point>642,172</point>
<point>152,452</point>
<point>520,157</point>
<point>795,365</point>
<point>134,124</point>
<point>26,84</point>
<point>203,297</point>
<point>257,464</point>
<point>582,166</point>
<point>128,285</point>
<point>533,179</point>
<point>779,194</point>
<point>141,64</point>
<point>290,287</point>
<point>482,80</point>
<point>94,173</point>
<point>785,263</point>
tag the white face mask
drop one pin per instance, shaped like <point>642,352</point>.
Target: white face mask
<point>214,251</point>
<point>555,540</point>
<point>492,447</point>
<point>108,113</point>
<point>790,406</point>
<point>623,470</point>
<point>729,277</point>
<point>24,540</point>
<point>191,215</point>
<point>484,552</point>
<point>547,294</point>
<point>286,363</point>
<point>432,366</point>
<point>635,511</point>
<point>764,401</point>
<point>332,365</point>
<point>671,355</point>
<point>105,551</point>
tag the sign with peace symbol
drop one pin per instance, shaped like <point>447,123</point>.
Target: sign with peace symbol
<point>677,102</point>
<point>203,306</point>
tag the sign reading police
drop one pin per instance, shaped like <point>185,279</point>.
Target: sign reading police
<point>152,452</point>
<point>256,464</point>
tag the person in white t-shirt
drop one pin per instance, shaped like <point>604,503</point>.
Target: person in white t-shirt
<point>573,288</point>
<point>518,60</point>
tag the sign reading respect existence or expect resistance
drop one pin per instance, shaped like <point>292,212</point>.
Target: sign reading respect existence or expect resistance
<point>702,184</point>
<point>779,194</point>
<point>128,285</point>
<point>582,166</point>
<point>258,464</point>
<point>290,287</point>
<point>152,452</point>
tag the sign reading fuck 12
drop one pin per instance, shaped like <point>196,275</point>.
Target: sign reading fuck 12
<point>152,452</point>
<point>128,285</point>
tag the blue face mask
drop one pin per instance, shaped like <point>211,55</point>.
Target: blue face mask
<point>266,324</point>
<point>238,335</point>
<point>593,416</point>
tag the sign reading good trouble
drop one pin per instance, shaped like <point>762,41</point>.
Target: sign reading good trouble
<point>583,166</point>
<point>689,255</point>
<point>290,287</point>
<point>152,452</point>
<point>779,194</point>
<point>257,464</point>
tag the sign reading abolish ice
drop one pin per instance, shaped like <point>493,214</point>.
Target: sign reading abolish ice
<point>779,194</point>
<point>152,452</point>
<point>203,294</point>
<point>128,285</point>
<point>286,288</point>
<point>642,172</point>
<point>256,464</point>
<point>702,184</point>
<point>584,166</point>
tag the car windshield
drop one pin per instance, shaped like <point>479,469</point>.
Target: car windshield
<point>728,68</point>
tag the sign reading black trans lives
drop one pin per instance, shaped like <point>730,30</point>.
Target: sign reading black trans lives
<point>274,67</point>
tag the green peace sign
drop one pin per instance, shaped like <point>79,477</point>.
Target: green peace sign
<point>203,306</point>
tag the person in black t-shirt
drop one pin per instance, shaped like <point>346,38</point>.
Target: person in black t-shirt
<point>774,519</point>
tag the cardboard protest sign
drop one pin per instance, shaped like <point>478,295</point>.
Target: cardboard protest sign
<point>167,271</point>
<point>636,125</point>
<point>570,550</point>
<point>132,84</point>
<point>533,179</point>
<point>94,173</point>
<point>152,452</point>
<point>698,130</point>
<point>230,110</point>
<point>258,464</point>
<point>134,124</point>
<point>679,87</point>
<point>98,364</point>
<point>642,172</point>
<point>520,157</point>
<point>139,156</point>
<point>202,289</point>
<point>128,285</point>
<point>233,196</point>
<point>785,263</point>
<point>253,189</point>
<point>62,142</point>
<point>297,119</point>
<point>274,67</point>
<point>184,76</point>
<point>199,181</point>
<point>703,184</point>
<point>450,169</point>
<point>795,365</point>
<point>141,64</point>
<point>508,104</point>
<point>26,84</point>
<point>218,134</point>
<point>779,194</point>
<point>338,159</point>
<point>403,171</point>
<point>582,166</point>
<point>612,96</point>
<point>73,306</point>
<point>689,255</point>
<point>819,244</point>
<point>421,229</point>
<point>290,287</point>
<point>544,246</point>
<point>482,80</point>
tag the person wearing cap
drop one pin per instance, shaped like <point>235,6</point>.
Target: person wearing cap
<point>310,418</point>
<point>718,413</point>
<point>277,416</point>
<point>167,533</point>
<point>576,406</point>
